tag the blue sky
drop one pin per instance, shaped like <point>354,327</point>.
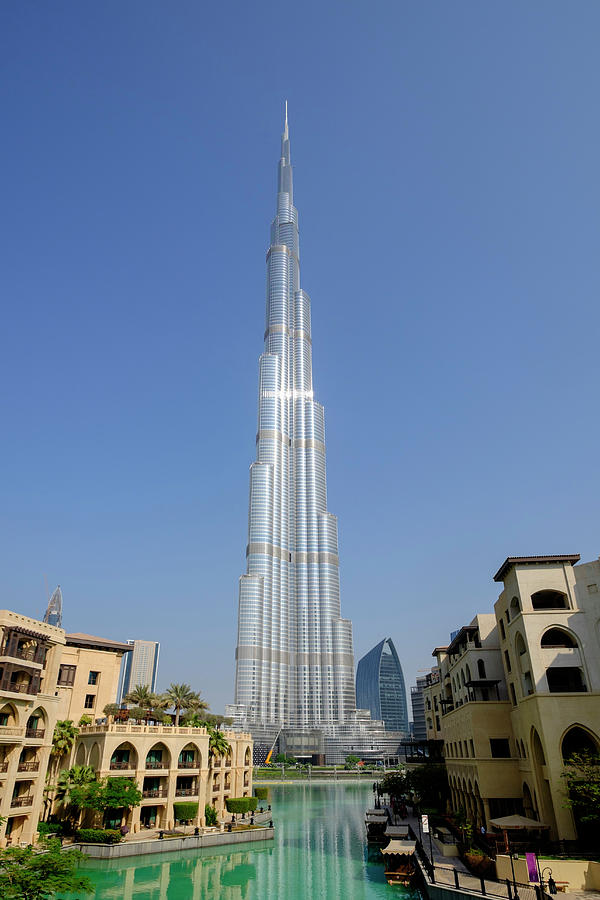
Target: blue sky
<point>446,175</point>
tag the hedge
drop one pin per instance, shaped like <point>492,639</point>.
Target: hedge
<point>261,793</point>
<point>49,828</point>
<point>241,804</point>
<point>185,811</point>
<point>98,836</point>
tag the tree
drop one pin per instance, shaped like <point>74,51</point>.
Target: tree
<point>65,733</point>
<point>218,745</point>
<point>111,709</point>
<point>282,760</point>
<point>582,776</point>
<point>430,783</point>
<point>181,696</point>
<point>28,875</point>
<point>352,761</point>
<point>84,720</point>
<point>396,784</point>
<point>107,793</point>
<point>142,696</point>
<point>68,792</point>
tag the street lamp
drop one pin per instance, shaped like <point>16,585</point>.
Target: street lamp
<point>551,882</point>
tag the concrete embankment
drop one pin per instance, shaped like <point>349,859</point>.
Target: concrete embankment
<point>176,844</point>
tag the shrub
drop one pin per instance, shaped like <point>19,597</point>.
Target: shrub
<point>185,811</point>
<point>98,835</point>
<point>45,828</point>
<point>261,793</point>
<point>210,815</point>
<point>241,804</point>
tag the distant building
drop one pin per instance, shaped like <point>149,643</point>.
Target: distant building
<point>139,667</point>
<point>380,686</point>
<point>418,707</point>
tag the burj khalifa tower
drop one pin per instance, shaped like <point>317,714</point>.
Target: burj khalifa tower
<point>294,657</point>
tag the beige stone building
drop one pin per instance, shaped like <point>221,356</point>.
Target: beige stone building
<point>30,654</point>
<point>515,693</point>
<point>88,676</point>
<point>169,764</point>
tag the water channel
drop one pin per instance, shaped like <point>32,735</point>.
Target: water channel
<point>319,853</point>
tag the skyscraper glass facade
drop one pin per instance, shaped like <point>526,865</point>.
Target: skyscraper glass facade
<point>294,657</point>
<point>139,667</point>
<point>380,686</point>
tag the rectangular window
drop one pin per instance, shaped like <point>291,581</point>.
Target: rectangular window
<point>507,660</point>
<point>90,699</point>
<point>93,677</point>
<point>500,748</point>
<point>513,695</point>
<point>472,747</point>
<point>502,631</point>
<point>66,675</point>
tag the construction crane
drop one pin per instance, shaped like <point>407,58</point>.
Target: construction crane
<point>270,753</point>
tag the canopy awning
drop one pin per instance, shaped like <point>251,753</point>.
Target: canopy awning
<point>517,823</point>
<point>397,831</point>
<point>405,848</point>
<point>376,817</point>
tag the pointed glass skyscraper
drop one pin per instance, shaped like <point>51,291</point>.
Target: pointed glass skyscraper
<point>294,657</point>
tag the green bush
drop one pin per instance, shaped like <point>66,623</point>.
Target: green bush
<point>185,811</point>
<point>98,836</point>
<point>261,793</point>
<point>49,828</point>
<point>210,815</point>
<point>241,804</point>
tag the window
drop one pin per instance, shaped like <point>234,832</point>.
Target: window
<point>502,631</point>
<point>66,675</point>
<point>93,677</point>
<point>549,600</point>
<point>3,718</point>
<point>481,668</point>
<point>500,748</point>
<point>472,747</point>
<point>556,637</point>
<point>513,696</point>
<point>565,679</point>
<point>507,660</point>
<point>90,699</point>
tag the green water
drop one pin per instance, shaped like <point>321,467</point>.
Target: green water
<point>319,853</point>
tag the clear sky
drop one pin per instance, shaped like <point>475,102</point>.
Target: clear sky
<point>446,176</point>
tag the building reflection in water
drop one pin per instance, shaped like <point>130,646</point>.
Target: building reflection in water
<point>319,852</point>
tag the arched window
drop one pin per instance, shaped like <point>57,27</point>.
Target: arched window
<point>578,740</point>
<point>481,668</point>
<point>556,637</point>
<point>468,672</point>
<point>462,676</point>
<point>549,600</point>
<point>515,607</point>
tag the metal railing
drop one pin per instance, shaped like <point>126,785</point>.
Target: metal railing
<point>21,801</point>
<point>35,732</point>
<point>186,792</point>
<point>32,766</point>
<point>154,792</point>
<point>155,764</point>
<point>188,764</point>
<point>122,765</point>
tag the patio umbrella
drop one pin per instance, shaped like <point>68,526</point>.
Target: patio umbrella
<point>517,823</point>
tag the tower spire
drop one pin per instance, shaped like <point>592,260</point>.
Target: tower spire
<point>286,133</point>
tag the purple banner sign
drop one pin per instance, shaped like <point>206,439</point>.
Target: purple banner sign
<point>532,867</point>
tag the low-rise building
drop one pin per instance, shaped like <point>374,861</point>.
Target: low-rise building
<point>30,654</point>
<point>88,677</point>
<point>169,764</point>
<point>516,693</point>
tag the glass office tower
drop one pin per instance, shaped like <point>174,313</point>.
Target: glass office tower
<point>294,657</point>
<point>380,686</point>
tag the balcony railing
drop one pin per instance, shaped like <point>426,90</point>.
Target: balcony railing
<point>21,801</point>
<point>4,766</point>
<point>154,792</point>
<point>186,792</point>
<point>20,688</point>
<point>122,765</point>
<point>35,733</point>
<point>155,764</point>
<point>32,766</point>
<point>187,764</point>
<point>11,730</point>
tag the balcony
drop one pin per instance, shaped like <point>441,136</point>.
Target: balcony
<point>11,731</point>
<point>187,764</point>
<point>122,765</point>
<point>18,687</point>
<point>21,801</point>
<point>154,792</point>
<point>186,792</point>
<point>35,733</point>
<point>4,767</point>
<point>32,766</point>
<point>155,764</point>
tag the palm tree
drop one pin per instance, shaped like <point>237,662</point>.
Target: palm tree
<point>181,696</point>
<point>142,696</point>
<point>75,777</point>
<point>63,739</point>
<point>218,745</point>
